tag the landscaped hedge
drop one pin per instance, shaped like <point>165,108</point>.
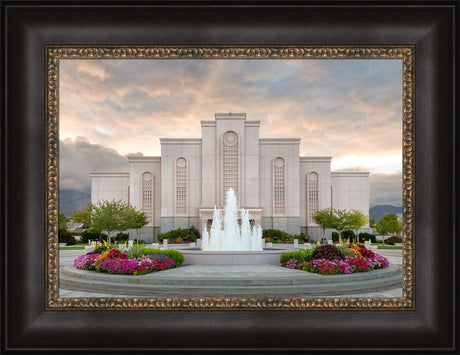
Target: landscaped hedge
<point>92,234</point>
<point>122,237</point>
<point>276,235</point>
<point>301,255</point>
<point>186,234</point>
<point>345,236</point>
<point>367,236</point>
<point>64,236</point>
<point>176,255</point>
<point>393,240</point>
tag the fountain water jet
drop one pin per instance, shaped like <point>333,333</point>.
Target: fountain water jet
<point>227,235</point>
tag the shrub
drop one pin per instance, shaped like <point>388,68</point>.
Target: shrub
<point>186,234</point>
<point>301,237</point>
<point>64,236</point>
<point>367,236</point>
<point>335,237</point>
<point>301,255</point>
<point>277,235</point>
<point>393,240</point>
<point>328,252</point>
<point>175,255</point>
<point>348,234</point>
<point>92,234</point>
<point>122,237</point>
<point>140,241</point>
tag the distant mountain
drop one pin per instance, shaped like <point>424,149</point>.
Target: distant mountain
<point>72,200</point>
<point>377,212</point>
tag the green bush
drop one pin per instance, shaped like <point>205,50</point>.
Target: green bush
<point>393,240</point>
<point>122,237</point>
<point>177,256</point>
<point>367,236</point>
<point>186,234</point>
<point>140,241</point>
<point>335,237</point>
<point>301,255</point>
<point>64,236</point>
<point>348,234</point>
<point>92,234</point>
<point>301,237</point>
<point>345,236</point>
<point>276,235</point>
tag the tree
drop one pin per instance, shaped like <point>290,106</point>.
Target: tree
<point>83,216</point>
<point>62,222</point>
<point>357,220</point>
<point>347,220</point>
<point>325,218</point>
<point>137,219</point>
<point>389,224</point>
<point>111,216</point>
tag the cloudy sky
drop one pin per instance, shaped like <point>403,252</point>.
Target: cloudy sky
<point>350,109</point>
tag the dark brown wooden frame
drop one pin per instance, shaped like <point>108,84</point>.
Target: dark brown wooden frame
<point>31,26</point>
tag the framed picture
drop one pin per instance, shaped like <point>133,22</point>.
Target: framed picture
<point>179,187</point>
<point>45,55</point>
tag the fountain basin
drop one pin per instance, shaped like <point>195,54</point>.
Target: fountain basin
<point>200,257</point>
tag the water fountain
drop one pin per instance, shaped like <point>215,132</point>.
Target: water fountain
<point>227,235</point>
<point>229,242</point>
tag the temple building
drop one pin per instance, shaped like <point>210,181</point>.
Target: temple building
<point>280,188</point>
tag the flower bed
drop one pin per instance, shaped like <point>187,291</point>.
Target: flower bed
<point>362,261</point>
<point>114,261</point>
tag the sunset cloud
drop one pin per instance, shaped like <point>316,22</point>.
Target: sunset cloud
<point>350,109</point>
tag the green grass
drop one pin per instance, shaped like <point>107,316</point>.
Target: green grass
<point>72,248</point>
<point>389,247</point>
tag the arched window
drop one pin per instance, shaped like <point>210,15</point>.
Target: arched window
<point>181,186</point>
<point>279,185</point>
<point>313,196</point>
<point>230,164</point>
<point>147,196</point>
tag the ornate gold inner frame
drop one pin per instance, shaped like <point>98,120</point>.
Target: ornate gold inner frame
<point>55,53</point>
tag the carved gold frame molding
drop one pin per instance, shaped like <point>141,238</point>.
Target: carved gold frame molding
<point>55,53</point>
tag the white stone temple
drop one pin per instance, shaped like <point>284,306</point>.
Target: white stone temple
<point>279,188</point>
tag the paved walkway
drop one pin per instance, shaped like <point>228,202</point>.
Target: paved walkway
<point>218,272</point>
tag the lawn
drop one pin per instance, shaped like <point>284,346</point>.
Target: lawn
<point>389,247</point>
<point>73,247</point>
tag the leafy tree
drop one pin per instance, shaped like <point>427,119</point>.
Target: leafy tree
<point>62,222</point>
<point>136,219</point>
<point>357,220</point>
<point>111,216</point>
<point>347,220</point>
<point>83,216</point>
<point>389,224</point>
<point>325,218</point>
<point>371,223</point>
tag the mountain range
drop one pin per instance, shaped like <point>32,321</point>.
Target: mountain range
<point>377,212</point>
<point>73,200</point>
